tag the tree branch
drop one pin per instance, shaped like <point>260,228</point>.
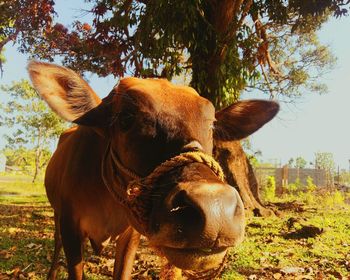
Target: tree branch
<point>263,50</point>
<point>11,37</point>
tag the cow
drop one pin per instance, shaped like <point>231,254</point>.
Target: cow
<point>138,162</point>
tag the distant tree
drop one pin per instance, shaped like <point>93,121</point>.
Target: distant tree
<point>25,158</point>
<point>32,124</point>
<point>325,160</point>
<point>344,177</point>
<point>300,162</point>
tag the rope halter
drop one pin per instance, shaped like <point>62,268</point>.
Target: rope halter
<point>137,195</point>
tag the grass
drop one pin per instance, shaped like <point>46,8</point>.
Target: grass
<point>25,227</point>
<point>19,189</point>
<point>313,244</point>
<point>309,244</point>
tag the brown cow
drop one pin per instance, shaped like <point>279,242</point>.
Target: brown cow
<point>192,215</point>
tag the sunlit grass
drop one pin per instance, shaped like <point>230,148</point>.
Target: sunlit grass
<point>266,250</point>
<point>19,189</point>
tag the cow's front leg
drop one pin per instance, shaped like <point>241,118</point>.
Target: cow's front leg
<point>127,245</point>
<point>58,246</point>
<point>72,242</point>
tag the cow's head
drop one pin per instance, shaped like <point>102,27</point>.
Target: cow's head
<point>194,216</point>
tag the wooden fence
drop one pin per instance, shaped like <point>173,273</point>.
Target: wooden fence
<point>285,175</point>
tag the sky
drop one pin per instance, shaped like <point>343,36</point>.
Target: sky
<point>315,123</point>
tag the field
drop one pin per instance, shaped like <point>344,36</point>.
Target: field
<point>306,241</point>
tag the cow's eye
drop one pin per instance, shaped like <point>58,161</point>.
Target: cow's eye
<point>125,121</point>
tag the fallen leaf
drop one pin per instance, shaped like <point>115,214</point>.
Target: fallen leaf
<point>31,245</point>
<point>15,272</point>
<point>4,254</point>
<point>292,270</point>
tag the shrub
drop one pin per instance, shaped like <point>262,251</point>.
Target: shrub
<point>294,187</point>
<point>291,188</point>
<point>338,198</point>
<point>334,199</point>
<point>269,190</point>
<point>308,196</point>
<point>310,186</point>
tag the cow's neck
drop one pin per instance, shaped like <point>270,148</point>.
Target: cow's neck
<point>115,176</point>
<point>126,171</point>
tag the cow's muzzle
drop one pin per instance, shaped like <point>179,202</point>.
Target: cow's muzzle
<point>197,220</point>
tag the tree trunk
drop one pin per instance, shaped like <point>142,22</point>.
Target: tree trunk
<point>37,163</point>
<point>208,79</point>
<point>38,151</point>
<point>239,173</point>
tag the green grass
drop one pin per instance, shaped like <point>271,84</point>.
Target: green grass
<point>25,227</point>
<point>18,189</point>
<point>272,249</point>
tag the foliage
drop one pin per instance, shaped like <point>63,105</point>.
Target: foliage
<point>293,188</point>
<point>252,155</point>
<point>298,162</point>
<point>269,190</point>
<point>301,60</point>
<point>25,158</point>
<point>226,46</point>
<point>344,177</point>
<point>308,195</point>
<point>310,186</point>
<point>334,199</point>
<point>325,160</point>
<point>34,126</point>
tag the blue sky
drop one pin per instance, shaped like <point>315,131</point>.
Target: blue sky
<point>315,123</point>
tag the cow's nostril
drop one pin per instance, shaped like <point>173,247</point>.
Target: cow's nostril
<point>180,201</point>
<point>185,212</point>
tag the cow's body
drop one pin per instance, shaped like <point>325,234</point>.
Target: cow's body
<point>74,175</point>
<point>191,216</point>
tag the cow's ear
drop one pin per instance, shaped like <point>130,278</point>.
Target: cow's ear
<point>67,94</point>
<point>243,118</point>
